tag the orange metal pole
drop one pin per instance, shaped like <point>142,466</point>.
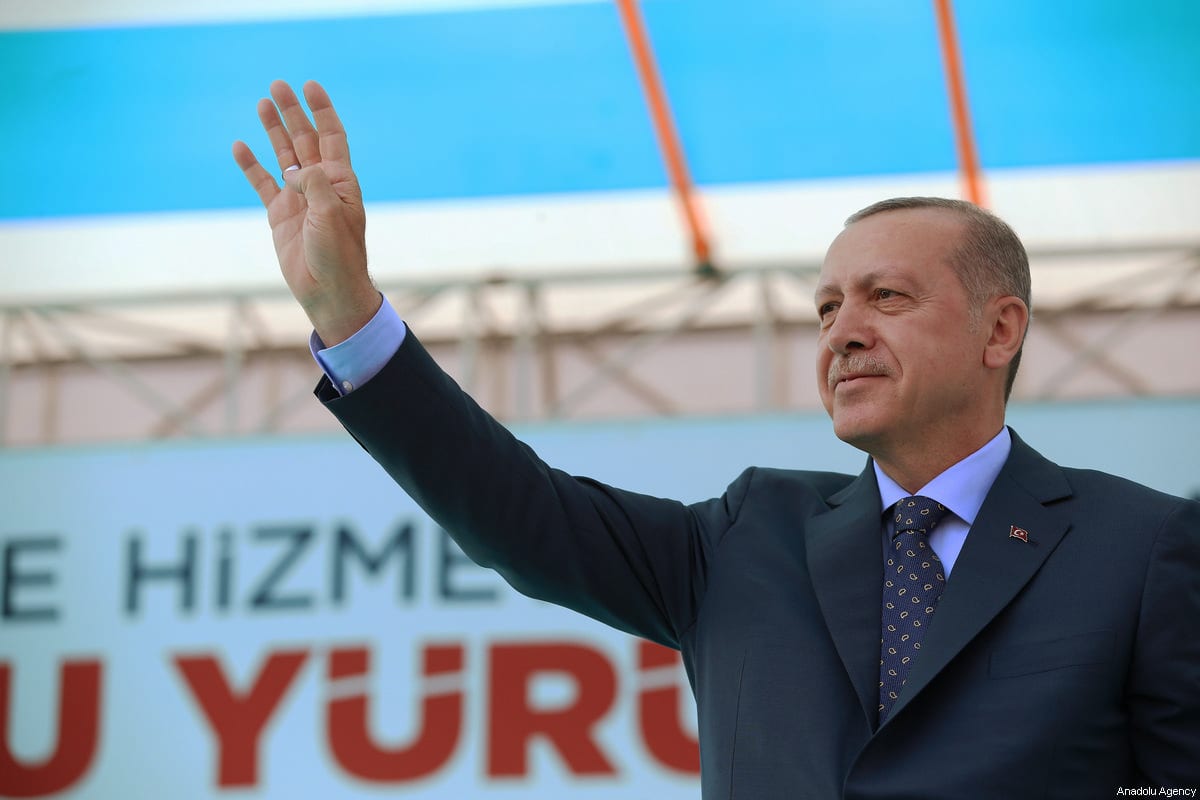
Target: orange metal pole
<point>968,159</point>
<point>668,136</point>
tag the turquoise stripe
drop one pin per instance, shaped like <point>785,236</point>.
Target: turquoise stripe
<point>544,99</point>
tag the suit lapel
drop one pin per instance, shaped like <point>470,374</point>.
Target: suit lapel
<point>993,565</point>
<point>845,563</point>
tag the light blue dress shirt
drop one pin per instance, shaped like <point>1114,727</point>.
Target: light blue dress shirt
<point>961,488</point>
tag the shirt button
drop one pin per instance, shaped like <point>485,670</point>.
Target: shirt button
<point>348,386</point>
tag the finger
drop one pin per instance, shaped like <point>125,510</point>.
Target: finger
<point>281,140</point>
<point>304,136</point>
<point>331,135</point>
<point>262,182</point>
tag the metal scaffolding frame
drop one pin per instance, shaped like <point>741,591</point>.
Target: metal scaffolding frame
<point>554,346</point>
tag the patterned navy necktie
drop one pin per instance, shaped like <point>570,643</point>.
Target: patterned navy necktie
<point>913,580</point>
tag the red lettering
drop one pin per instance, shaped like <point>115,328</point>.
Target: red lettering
<point>346,723</point>
<point>78,732</point>
<point>658,712</point>
<point>238,718</point>
<point>512,723</point>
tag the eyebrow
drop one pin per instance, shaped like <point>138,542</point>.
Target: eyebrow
<point>867,280</point>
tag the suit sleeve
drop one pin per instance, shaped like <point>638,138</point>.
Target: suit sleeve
<point>1164,681</point>
<point>635,562</point>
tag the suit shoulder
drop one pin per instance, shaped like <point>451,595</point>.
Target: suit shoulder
<point>1104,486</point>
<point>822,484</point>
<point>1129,505</point>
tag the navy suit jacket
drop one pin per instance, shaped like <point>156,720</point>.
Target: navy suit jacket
<point>1062,667</point>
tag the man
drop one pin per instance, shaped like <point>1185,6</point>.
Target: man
<point>1063,659</point>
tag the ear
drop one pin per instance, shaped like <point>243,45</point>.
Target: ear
<point>1009,318</point>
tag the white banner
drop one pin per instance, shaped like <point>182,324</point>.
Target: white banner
<point>275,619</point>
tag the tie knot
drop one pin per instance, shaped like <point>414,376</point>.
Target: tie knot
<point>918,514</point>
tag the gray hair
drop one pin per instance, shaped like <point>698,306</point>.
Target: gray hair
<point>990,260</point>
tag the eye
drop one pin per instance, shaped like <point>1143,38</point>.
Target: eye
<point>886,294</point>
<point>826,308</point>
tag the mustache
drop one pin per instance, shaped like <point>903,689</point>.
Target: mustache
<point>857,365</point>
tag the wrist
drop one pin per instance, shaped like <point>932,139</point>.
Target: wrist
<point>337,321</point>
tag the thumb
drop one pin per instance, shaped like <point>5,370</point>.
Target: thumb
<point>313,184</point>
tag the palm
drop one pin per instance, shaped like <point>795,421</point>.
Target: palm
<point>287,214</point>
<point>301,234</point>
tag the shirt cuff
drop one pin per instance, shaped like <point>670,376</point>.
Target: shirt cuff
<point>355,361</point>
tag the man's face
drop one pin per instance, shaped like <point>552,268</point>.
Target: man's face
<point>899,362</point>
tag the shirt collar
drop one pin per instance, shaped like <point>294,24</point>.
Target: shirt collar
<point>962,487</point>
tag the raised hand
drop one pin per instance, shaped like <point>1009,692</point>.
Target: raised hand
<point>317,220</point>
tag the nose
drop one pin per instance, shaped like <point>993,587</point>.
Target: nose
<point>851,330</point>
